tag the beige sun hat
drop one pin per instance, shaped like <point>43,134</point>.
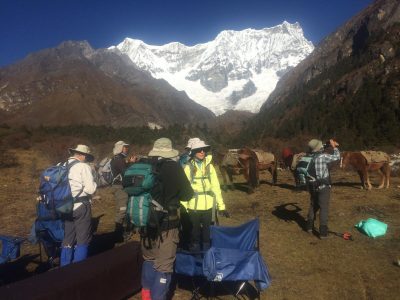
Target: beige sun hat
<point>82,149</point>
<point>118,147</point>
<point>196,145</point>
<point>163,147</point>
<point>191,142</point>
<point>315,145</point>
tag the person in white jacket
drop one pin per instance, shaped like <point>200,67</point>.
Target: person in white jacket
<point>77,226</point>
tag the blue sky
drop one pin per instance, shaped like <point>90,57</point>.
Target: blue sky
<point>31,25</point>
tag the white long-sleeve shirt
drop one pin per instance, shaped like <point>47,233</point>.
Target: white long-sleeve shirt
<point>81,179</point>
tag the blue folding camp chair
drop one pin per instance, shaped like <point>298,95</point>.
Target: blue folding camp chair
<point>10,247</point>
<point>233,258</point>
<point>48,232</point>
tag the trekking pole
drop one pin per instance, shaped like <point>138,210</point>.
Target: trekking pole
<point>346,235</point>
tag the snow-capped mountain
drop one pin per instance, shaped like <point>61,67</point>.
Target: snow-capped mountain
<point>238,70</point>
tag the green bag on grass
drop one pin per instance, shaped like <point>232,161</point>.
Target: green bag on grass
<point>372,228</point>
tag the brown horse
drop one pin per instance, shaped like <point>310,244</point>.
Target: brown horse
<point>359,162</point>
<point>243,162</point>
<point>266,161</point>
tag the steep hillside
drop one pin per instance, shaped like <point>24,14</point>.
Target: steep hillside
<point>74,84</point>
<point>348,88</point>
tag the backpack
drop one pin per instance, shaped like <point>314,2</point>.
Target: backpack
<point>306,174</point>
<point>303,170</point>
<point>104,173</point>
<point>54,188</point>
<point>142,210</point>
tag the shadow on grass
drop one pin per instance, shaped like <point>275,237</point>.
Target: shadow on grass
<point>200,287</point>
<point>289,212</point>
<point>356,185</point>
<point>237,186</point>
<point>17,269</point>
<point>100,242</point>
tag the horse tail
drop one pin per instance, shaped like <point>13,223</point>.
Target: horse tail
<point>253,171</point>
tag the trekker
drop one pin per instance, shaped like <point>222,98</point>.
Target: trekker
<point>207,195</point>
<point>184,158</point>
<point>159,249</point>
<point>119,164</point>
<point>77,226</point>
<point>320,191</point>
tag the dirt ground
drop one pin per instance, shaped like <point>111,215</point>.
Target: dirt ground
<point>301,265</point>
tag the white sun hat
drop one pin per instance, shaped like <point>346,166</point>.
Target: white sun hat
<point>118,147</point>
<point>191,141</point>
<point>196,145</point>
<point>82,149</point>
<point>163,148</point>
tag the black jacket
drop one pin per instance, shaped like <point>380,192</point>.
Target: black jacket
<point>118,166</point>
<point>172,187</point>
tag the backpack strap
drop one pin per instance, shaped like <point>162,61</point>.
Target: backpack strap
<point>73,163</point>
<point>321,181</point>
<point>196,194</point>
<point>312,165</point>
<point>191,166</point>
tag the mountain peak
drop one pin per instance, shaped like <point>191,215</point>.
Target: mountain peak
<point>237,70</point>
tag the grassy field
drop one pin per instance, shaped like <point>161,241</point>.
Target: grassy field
<point>301,265</point>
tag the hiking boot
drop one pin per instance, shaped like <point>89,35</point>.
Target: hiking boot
<point>323,232</point>
<point>309,226</point>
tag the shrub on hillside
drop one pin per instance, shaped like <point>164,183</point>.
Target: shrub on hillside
<point>7,159</point>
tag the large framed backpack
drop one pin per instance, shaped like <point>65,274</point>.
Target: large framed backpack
<point>104,175</point>
<point>54,188</point>
<point>142,210</point>
<point>306,173</point>
<point>302,170</point>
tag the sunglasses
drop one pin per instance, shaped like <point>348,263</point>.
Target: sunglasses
<point>200,150</point>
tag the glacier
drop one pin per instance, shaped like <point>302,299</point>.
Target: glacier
<point>236,71</point>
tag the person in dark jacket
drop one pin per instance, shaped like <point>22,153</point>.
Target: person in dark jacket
<point>119,164</point>
<point>159,251</point>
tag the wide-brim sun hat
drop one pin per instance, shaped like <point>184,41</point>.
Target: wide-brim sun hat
<point>163,148</point>
<point>198,145</point>
<point>315,145</point>
<point>118,146</point>
<point>191,142</point>
<point>82,149</point>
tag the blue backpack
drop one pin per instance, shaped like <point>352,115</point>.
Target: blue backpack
<point>54,188</point>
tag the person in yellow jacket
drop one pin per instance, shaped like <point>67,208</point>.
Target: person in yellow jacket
<point>207,199</point>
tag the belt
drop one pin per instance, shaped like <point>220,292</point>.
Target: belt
<point>82,199</point>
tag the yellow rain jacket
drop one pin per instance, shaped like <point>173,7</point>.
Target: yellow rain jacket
<point>205,184</point>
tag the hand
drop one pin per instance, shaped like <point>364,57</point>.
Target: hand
<point>333,143</point>
<point>224,213</point>
<point>133,159</point>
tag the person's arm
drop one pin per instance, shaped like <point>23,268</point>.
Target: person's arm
<point>175,183</point>
<point>328,158</point>
<point>216,188</point>
<point>89,185</point>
